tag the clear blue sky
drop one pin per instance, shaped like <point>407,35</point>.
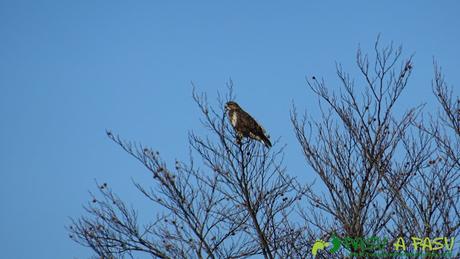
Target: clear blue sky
<point>71,69</point>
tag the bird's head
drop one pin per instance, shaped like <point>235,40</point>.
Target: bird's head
<point>231,106</point>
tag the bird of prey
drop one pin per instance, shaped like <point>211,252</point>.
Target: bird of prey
<point>245,125</point>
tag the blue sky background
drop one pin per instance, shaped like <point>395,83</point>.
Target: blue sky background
<point>71,69</point>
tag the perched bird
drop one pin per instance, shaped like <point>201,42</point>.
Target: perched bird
<point>245,125</point>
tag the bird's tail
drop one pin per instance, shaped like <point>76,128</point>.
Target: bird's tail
<point>266,141</point>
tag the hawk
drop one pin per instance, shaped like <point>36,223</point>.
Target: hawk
<point>245,125</point>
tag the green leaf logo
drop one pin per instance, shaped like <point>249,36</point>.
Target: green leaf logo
<point>319,245</point>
